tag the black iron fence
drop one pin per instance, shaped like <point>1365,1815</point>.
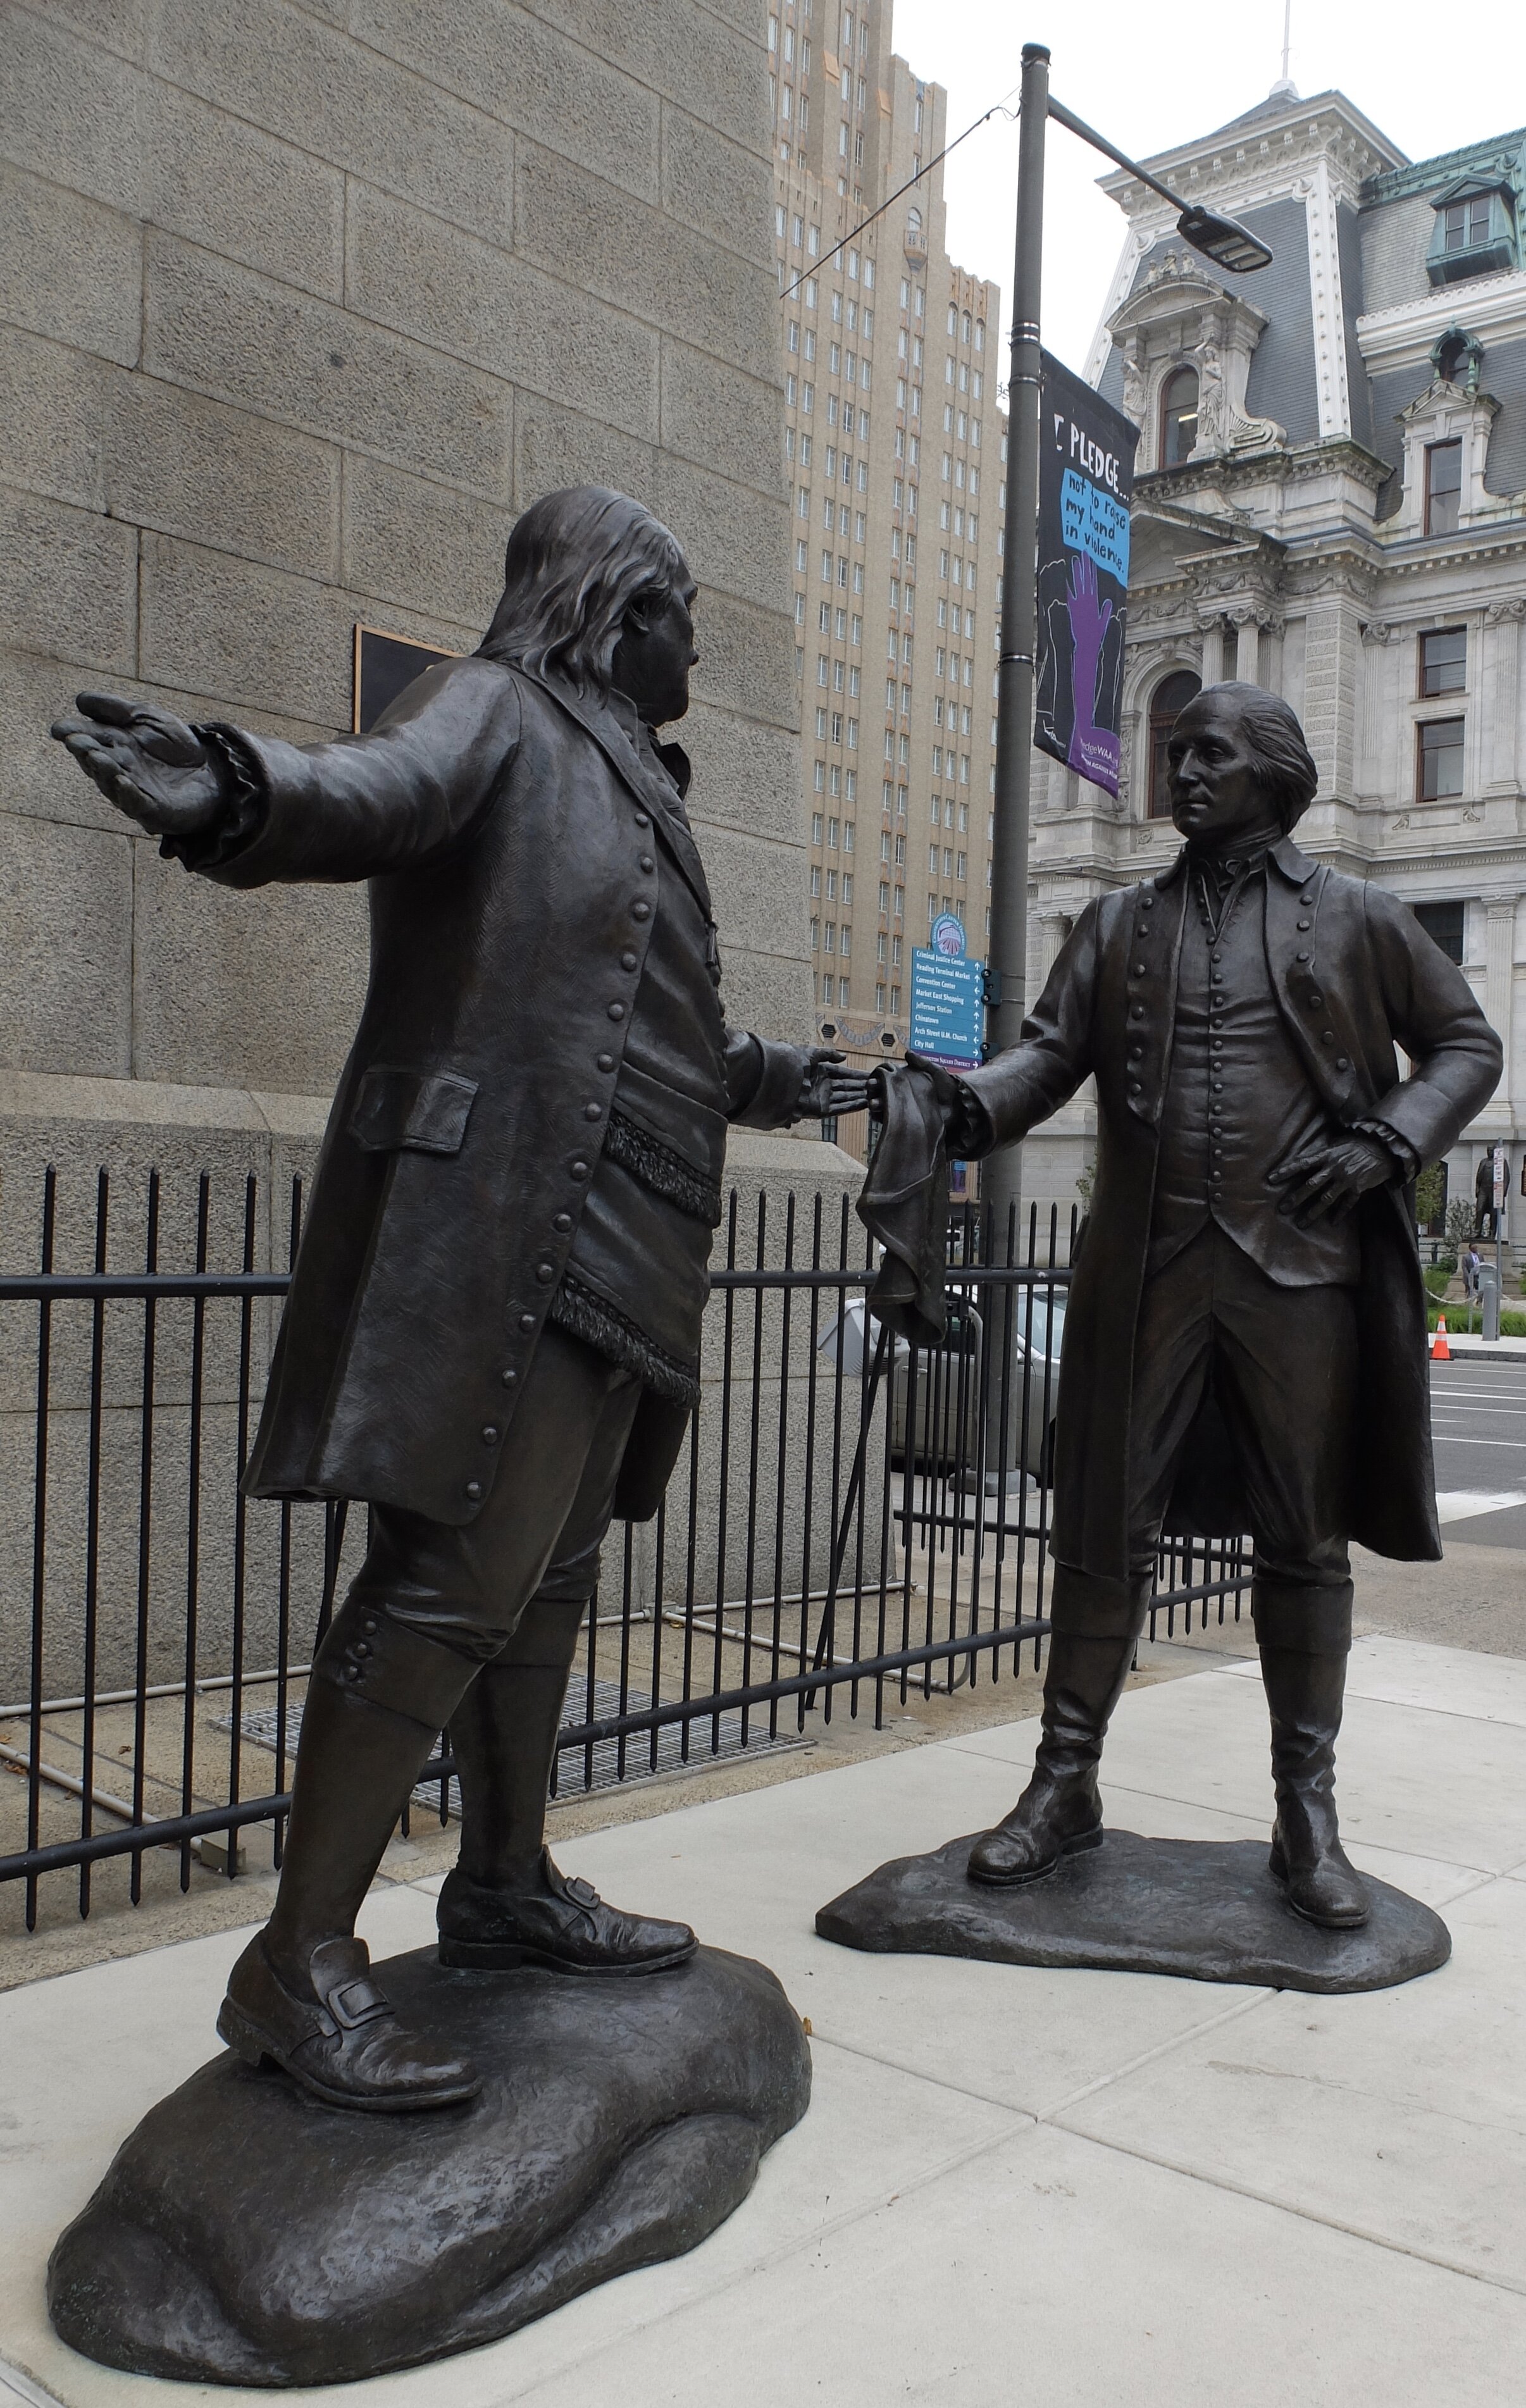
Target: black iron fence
<point>853,1521</point>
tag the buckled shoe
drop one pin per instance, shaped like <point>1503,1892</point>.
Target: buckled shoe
<point>562,1925</point>
<point>341,2039</point>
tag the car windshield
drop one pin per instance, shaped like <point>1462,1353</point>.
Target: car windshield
<point>1041,1327</point>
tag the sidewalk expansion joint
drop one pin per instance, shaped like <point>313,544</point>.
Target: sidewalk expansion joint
<point>1515,2284</point>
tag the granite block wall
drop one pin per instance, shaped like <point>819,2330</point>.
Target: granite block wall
<point>301,301</point>
<point>299,305</point>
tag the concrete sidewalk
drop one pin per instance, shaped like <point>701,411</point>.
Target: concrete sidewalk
<point>1012,2185</point>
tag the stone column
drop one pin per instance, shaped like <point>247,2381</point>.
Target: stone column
<point>1214,667</point>
<point>1500,761</point>
<point>1499,979</point>
<point>1246,649</point>
<point>1373,772</point>
<point>1332,650</point>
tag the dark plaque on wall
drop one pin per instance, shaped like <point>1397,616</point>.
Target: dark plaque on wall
<point>1085,486</point>
<point>384,665</point>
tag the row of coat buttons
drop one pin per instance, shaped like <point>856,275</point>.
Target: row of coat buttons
<point>562,1225</point>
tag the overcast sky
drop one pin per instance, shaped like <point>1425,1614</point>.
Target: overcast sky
<point>1429,79</point>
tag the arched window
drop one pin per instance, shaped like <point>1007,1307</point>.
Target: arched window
<point>1178,417</point>
<point>1171,696</point>
<point>914,226</point>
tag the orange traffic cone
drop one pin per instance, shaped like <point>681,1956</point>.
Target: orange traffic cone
<point>1440,1351</point>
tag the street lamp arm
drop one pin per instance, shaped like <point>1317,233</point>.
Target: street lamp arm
<point>1064,116</point>
<point>1224,240</point>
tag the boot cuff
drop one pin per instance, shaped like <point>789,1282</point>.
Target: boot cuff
<point>1305,1621</point>
<point>1092,1606</point>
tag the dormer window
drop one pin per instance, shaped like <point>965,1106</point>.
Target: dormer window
<point>1475,232</point>
<point>1178,417</point>
<point>1464,224</point>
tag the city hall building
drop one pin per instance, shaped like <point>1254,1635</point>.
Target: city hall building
<point>1331,502</point>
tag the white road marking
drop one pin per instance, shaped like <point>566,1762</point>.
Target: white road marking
<point>1446,1438</point>
<point>1460,1504</point>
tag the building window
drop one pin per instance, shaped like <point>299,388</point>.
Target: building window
<point>1465,223</point>
<point>1443,487</point>
<point>1438,774</point>
<point>1178,417</point>
<point>1473,234</point>
<point>1171,698</point>
<point>1443,924</point>
<point>1444,661</point>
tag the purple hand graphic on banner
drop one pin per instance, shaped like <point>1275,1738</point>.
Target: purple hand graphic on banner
<point>1093,750</point>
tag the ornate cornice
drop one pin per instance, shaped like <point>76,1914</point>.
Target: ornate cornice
<point>1402,337</point>
<point>1261,160</point>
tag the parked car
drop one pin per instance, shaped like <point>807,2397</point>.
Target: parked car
<point>943,1424</point>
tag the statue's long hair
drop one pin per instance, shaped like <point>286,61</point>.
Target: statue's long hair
<point>1289,776</point>
<point>576,562</point>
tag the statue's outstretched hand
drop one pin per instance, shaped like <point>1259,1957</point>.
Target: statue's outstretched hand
<point>1324,1181</point>
<point>828,1090</point>
<point>149,763</point>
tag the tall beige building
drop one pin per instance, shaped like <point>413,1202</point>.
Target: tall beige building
<point>893,454</point>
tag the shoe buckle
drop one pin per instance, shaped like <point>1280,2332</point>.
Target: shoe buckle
<point>355,2003</point>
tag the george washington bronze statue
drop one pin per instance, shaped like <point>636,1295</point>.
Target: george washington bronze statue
<point>1244,1345</point>
<point>494,1327</point>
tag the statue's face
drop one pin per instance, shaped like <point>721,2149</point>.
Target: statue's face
<point>654,657</point>
<point>1217,797</point>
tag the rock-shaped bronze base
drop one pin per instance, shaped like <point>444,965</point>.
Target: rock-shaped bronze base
<point>1205,1909</point>
<point>246,2234</point>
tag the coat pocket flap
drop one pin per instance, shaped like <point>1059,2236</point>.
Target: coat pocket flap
<point>425,1110</point>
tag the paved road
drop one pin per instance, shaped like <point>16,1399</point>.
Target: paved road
<point>1479,1421</point>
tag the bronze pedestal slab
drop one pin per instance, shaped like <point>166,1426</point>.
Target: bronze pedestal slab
<point>1206,1910</point>
<point>245,2234</point>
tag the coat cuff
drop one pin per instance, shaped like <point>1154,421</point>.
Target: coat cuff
<point>244,804</point>
<point>1406,1159</point>
<point>769,1097</point>
<point>1420,1117</point>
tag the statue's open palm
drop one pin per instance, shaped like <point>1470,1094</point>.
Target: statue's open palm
<point>149,763</point>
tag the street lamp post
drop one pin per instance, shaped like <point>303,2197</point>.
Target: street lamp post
<point>1231,246</point>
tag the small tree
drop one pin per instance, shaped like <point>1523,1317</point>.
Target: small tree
<point>1430,1195</point>
<point>1085,1181</point>
<point>1459,1223</point>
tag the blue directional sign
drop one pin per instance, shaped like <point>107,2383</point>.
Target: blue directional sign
<point>948,1009</point>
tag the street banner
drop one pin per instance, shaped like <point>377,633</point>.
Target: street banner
<point>948,1011</point>
<point>1085,486</point>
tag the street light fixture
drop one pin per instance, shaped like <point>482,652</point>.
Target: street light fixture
<point>1230,246</point>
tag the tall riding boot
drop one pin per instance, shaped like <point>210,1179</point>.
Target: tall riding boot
<point>505,1903</point>
<point>1305,1694</point>
<point>1059,1812</point>
<point>301,1995</point>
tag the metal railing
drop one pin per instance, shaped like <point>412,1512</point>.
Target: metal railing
<point>849,1517</point>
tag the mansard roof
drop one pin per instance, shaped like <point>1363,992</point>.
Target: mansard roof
<point>1491,161</point>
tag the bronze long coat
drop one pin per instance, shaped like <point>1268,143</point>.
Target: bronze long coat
<point>514,853</point>
<point>1363,977</point>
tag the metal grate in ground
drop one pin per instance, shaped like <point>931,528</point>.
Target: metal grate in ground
<point>576,1777</point>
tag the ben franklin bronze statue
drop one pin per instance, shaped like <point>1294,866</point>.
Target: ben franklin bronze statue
<point>1244,1346</point>
<point>494,1327</point>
